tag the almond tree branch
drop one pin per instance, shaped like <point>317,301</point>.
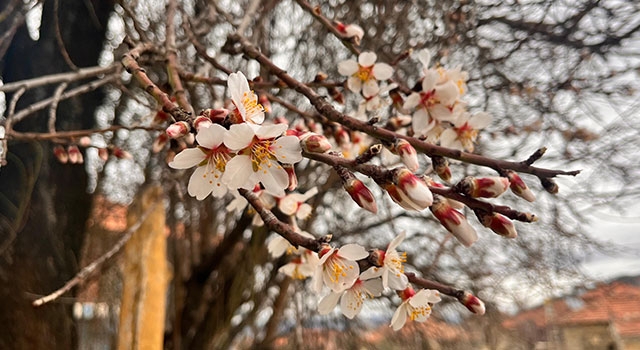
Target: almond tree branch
<point>172,59</point>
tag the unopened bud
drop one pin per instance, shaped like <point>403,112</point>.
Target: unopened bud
<point>159,142</point>
<point>342,137</point>
<point>486,187</point>
<point>399,121</point>
<point>336,95</point>
<point>361,194</point>
<point>397,100</point>
<point>473,303</point>
<point>266,104</point>
<point>215,115</point>
<point>103,153</point>
<point>441,167</point>
<point>120,153</point>
<point>454,221</point>
<point>320,77</point>
<point>75,156</point>
<point>519,187</point>
<point>61,154</point>
<point>85,141</point>
<point>178,129</point>
<point>351,31</point>
<point>314,143</point>
<point>407,153</point>
<point>549,185</point>
<point>280,120</point>
<point>161,117</point>
<point>201,122</point>
<point>376,257</point>
<point>293,179</point>
<point>498,223</point>
<point>371,152</point>
<point>409,191</point>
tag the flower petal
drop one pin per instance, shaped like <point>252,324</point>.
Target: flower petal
<point>480,120</point>
<point>399,317</point>
<point>354,84</point>
<point>287,149</point>
<point>238,85</point>
<point>328,303</point>
<point>382,71</point>
<point>353,252</point>
<point>367,59</point>
<point>373,287</point>
<point>396,241</point>
<point>448,138</point>
<point>351,303</point>
<point>371,273</point>
<point>370,88</point>
<point>188,158</point>
<point>239,136</point>
<point>348,67</point>
<point>270,131</point>
<point>412,101</point>
<point>199,186</point>
<point>211,136</point>
<point>238,172</point>
<point>447,93</point>
<point>422,121</point>
<point>424,56</point>
<point>274,178</point>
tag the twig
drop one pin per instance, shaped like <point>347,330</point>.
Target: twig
<point>248,16</point>
<point>202,51</point>
<point>326,109</point>
<point>54,107</point>
<point>81,276</point>
<point>63,49</point>
<point>61,77</point>
<point>14,135</point>
<point>349,43</point>
<point>172,59</point>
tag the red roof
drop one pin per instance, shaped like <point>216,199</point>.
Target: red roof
<point>616,303</point>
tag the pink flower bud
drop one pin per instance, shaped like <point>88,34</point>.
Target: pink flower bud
<point>314,143</point>
<point>454,221</point>
<point>336,95</point>
<point>518,187</point>
<point>406,293</point>
<point>216,115</point>
<point>202,121</point>
<point>293,179</point>
<point>159,142</point>
<point>408,154</point>
<point>409,191</point>
<point>342,137</point>
<point>85,141</point>
<point>486,187</point>
<point>361,194</point>
<point>103,153</point>
<point>473,303</point>
<point>120,153</point>
<point>61,154</point>
<point>75,156</point>
<point>441,167</point>
<point>399,121</point>
<point>351,31</point>
<point>160,118</point>
<point>178,129</point>
<point>499,224</point>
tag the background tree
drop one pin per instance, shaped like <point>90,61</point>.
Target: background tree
<point>554,74</point>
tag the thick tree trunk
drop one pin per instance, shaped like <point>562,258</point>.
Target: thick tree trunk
<point>44,205</point>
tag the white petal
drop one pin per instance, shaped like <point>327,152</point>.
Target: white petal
<point>188,158</point>
<point>424,56</point>
<point>430,79</point>
<point>328,303</point>
<point>367,59</point>
<point>382,71</point>
<point>274,179</point>
<point>371,273</point>
<point>448,138</point>
<point>353,252</point>
<point>399,317</point>
<point>374,287</point>
<point>447,93</point>
<point>422,121</point>
<point>370,88</point>
<point>348,67</point>
<point>396,241</point>
<point>239,136</point>
<point>317,279</point>
<point>287,149</point>
<point>354,84</point>
<point>397,282</point>
<point>211,136</point>
<point>412,101</point>
<point>238,85</point>
<point>442,113</point>
<point>480,120</point>
<point>351,303</point>
<point>278,246</point>
<point>199,186</point>
<point>304,210</point>
<point>218,188</point>
<point>288,205</point>
<point>237,172</point>
<point>271,131</point>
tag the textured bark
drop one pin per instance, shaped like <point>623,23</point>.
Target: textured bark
<point>44,205</point>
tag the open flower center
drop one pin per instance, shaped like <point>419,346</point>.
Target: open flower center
<point>427,99</point>
<point>250,103</point>
<point>338,269</point>
<point>466,134</point>
<point>365,73</point>
<point>419,312</point>
<point>395,262</point>
<point>262,154</point>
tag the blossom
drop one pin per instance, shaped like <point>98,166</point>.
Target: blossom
<point>409,191</point>
<point>178,129</point>
<point>338,268</point>
<point>245,100</point>
<point>519,187</point>
<point>364,73</point>
<point>392,270</point>
<point>485,187</point>
<point>351,300</point>
<point>360,194</point>
<point>415,306</point>
<point>280,245</point>
<point>258,151</point>
<point>350,31</point>
<point>211,157</point>
<point>293,203</point>
<point>454,221</point>
<point>301,266</point>
<point>465,131</point>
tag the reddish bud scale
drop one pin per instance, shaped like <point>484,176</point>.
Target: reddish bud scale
<point>202,121</point>
<point>160,142</point>
<point>293,179</point>
<point>376,257</point>
<point>342,137</point>
<point>472,303</point>
<point>315,143</point>
<point>215,115</point>
<point>103,153</point>
<point>500,224</point>
<point>361,194</point>
<point>454,221</point>
<point>406,293</point>
<point>336,95</point>
<point>519,187</point>
<point>487,187</point>
<point>408,154</point>
<point>120,153</point>
<point>161,117</point>
<point>75,156</point>
<point>61,154</point>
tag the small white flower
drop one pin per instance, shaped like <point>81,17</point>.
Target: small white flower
<point>293,204</point>
<point>259,149</point>
<point>211,157</point>
<point>416,306</point>
<point>338,268</point>
<point>351,300</point>
<point>245,100</point>
<point>465,131</point>
<point>279,245</point>
<point>301,266</point>
<point>364,74</point>
<point>392,270</point>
